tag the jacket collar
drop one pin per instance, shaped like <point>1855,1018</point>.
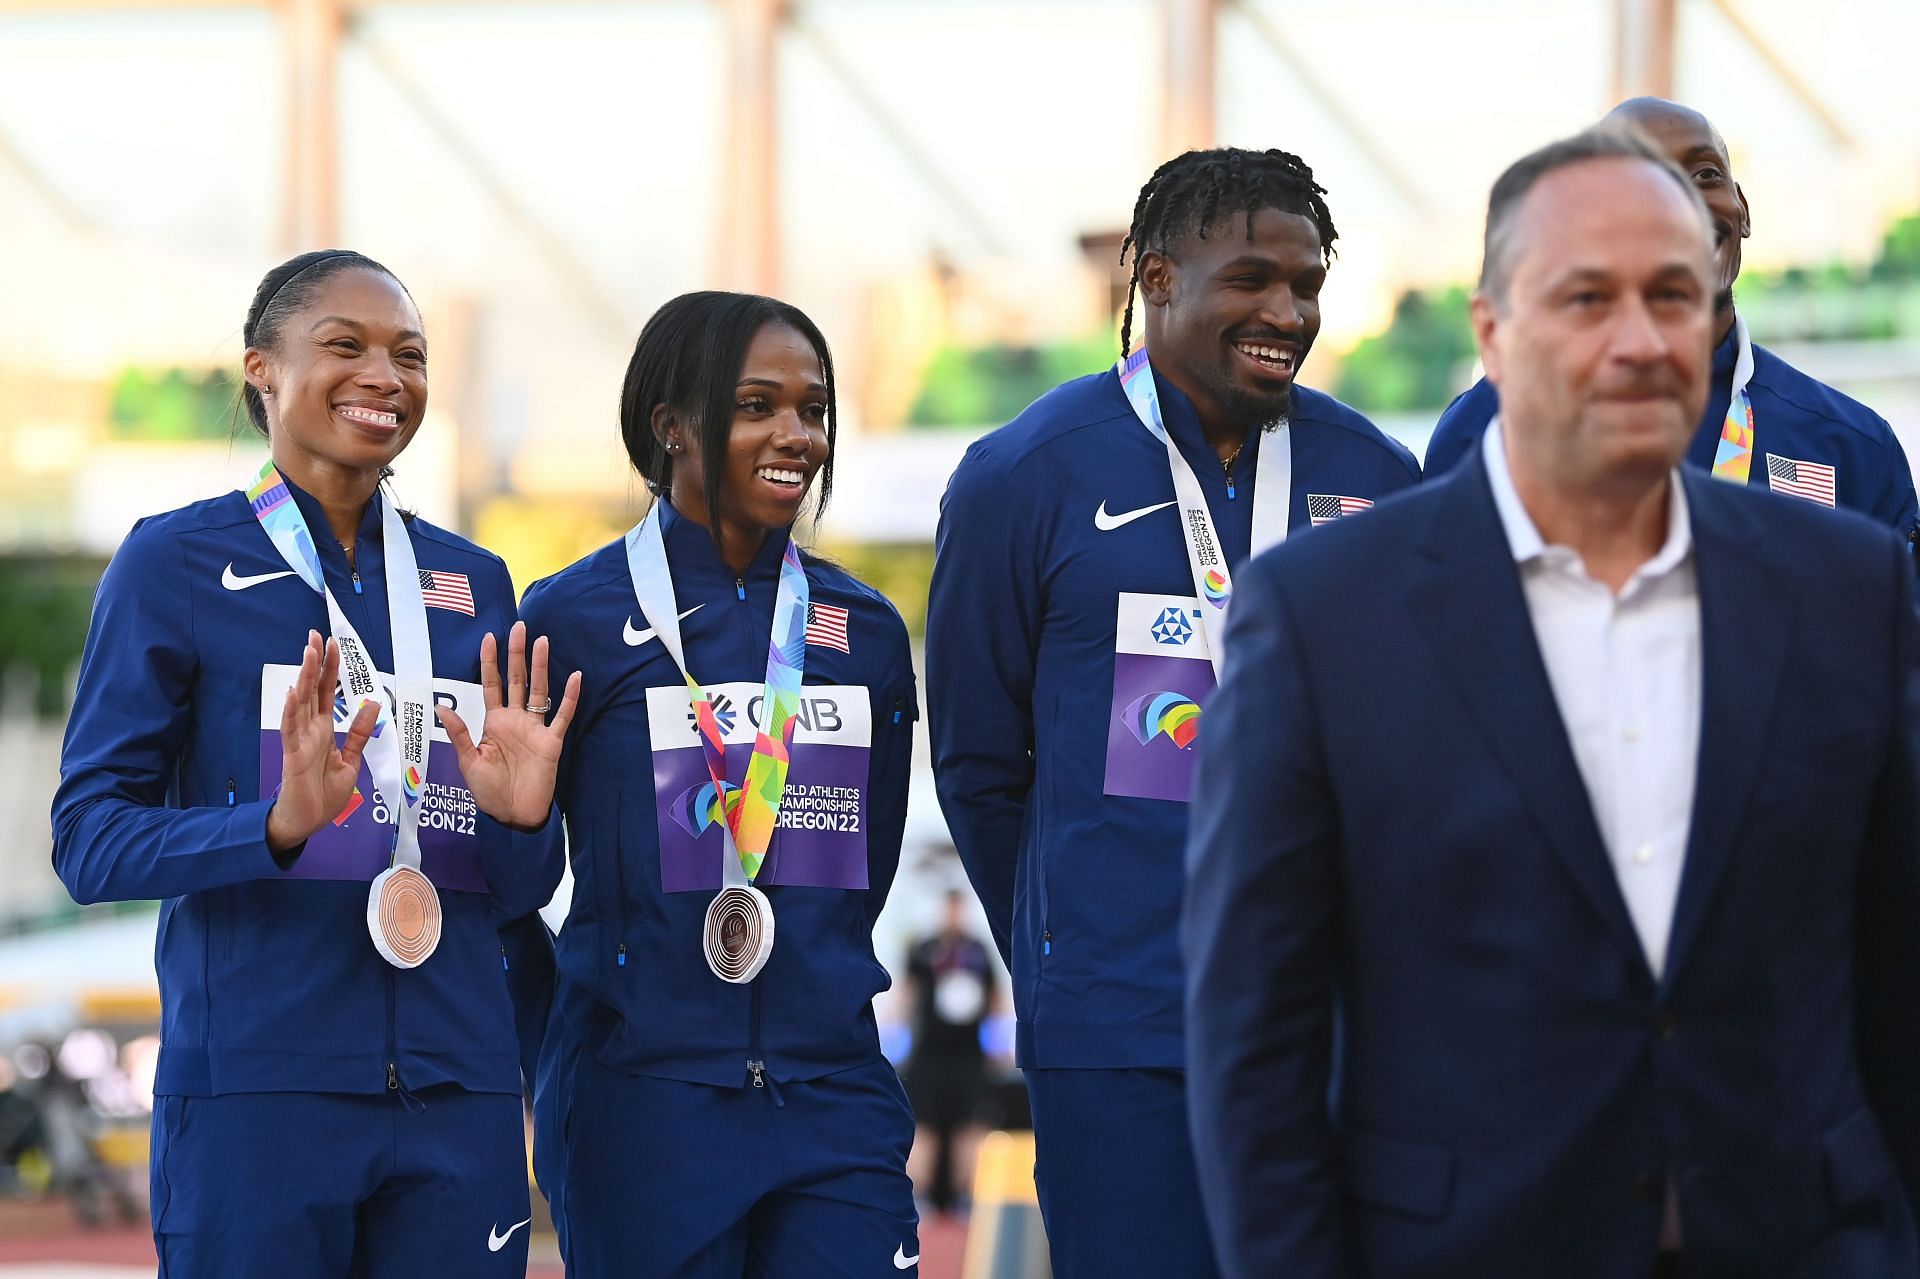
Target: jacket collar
<point>690,546</point>
<point>1467,598</point>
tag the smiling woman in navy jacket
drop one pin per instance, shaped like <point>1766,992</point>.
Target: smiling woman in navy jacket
<point>740,759</point>
<point>338,1089</point>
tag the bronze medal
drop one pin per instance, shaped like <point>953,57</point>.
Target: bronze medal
<point>403,916</point>
<point>738,936</point>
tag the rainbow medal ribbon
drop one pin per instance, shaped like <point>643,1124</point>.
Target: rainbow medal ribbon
<point>1733,458</point>
<point>403,910</point>
<point>1272,503</point>
<point>738,937</point>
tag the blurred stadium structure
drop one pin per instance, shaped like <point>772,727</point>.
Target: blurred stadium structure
<point>942,183</point>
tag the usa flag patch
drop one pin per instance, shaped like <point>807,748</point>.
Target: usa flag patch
<point>827,626</point>
<point>447,590</point>
<point>1323,508</point>
<point>1810,480</point>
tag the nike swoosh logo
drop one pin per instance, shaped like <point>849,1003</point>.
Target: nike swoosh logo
<point>1107,523</point>
<point>495,1240</point>
<point>234,582</point>
<point>635,638</point>
<point>901,1261</point>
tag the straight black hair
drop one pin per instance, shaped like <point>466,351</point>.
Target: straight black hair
<point>688,358</point>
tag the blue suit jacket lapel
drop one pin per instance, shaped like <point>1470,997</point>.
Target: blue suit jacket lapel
<point>1468,601</point>
<point>1746,624</point>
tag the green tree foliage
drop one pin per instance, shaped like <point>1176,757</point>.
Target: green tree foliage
<point>900,572</point>
<point>1412,365</point>
<point>1416,363</point>
<point>1899,251</point>
<point>172,404</point>
<point>989,385</point>
<point>45,603</point>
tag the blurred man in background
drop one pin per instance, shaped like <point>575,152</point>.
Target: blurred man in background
<point>951,986</point>
<point>1765,422</point>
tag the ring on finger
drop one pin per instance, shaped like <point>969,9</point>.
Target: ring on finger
<point>541,709</point>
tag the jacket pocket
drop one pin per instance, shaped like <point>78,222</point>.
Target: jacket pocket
<point>1044,821</point>
<point>604,846</point>
<point>169,1126</point>
<point>1858,1163</point>
<point>1411,1177</point>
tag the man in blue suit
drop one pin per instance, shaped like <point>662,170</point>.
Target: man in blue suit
<point>1553,895</point>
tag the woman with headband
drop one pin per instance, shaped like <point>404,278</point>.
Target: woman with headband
<point>712,1097</point>
<point>338,1090</point>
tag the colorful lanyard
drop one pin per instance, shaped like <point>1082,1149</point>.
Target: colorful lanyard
<point>398,760</point>
<point>1733,459</point>
<point>1272,501</point>
<point>751,809</point>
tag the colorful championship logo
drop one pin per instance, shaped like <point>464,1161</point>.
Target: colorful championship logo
<point>343,717</point>
<point>698,807</point>
<point>267,492</point>
<point>1173,714</point>
<point>353,806</point>
<point>273,506</point>
<point>1215,585</point>
<point>413,782</point>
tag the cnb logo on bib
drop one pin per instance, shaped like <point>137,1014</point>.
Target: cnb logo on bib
<point>820,838</point>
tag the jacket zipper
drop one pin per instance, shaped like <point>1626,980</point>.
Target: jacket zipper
<point>756,1064</point>
<point>393,1050</point>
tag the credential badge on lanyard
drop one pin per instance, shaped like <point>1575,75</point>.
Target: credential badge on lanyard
<point>738,937</point>
<point>1272,500</point>
<point>403,910</point>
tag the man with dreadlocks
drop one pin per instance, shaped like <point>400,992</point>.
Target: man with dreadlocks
<point>1082,573</point>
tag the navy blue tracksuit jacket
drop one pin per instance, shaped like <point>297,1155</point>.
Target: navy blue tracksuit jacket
<point>1070,828</point>
<point>634,984</point>
<point>268,980</point>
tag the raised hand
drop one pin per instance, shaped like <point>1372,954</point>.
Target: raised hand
<point>511,772</point>
<point>316,776</point>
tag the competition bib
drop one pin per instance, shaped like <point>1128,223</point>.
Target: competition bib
<point>1162,678</point>
<point>820,836</point>
<point>358,843</point>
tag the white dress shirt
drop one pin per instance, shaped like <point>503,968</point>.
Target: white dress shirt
<point>1625,671</point>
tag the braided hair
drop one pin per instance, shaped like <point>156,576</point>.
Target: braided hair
<point>1199,190</point>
